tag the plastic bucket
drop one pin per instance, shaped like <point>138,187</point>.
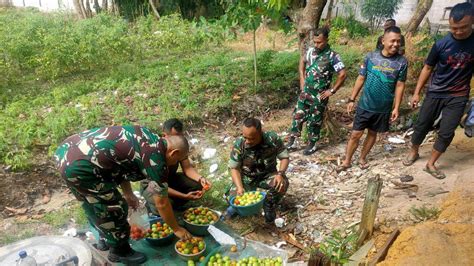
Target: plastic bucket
<point>249,209</point>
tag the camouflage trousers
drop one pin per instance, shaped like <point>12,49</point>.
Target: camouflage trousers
<point>309,109</point>
<point>179,182</point>
<point>273,196</point>
<point>103,204</point>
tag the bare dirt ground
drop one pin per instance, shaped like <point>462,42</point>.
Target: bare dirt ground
<point>319,199</point>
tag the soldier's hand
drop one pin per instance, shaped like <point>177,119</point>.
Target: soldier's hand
<point>182,233</point>
<point>279,183</point>
<point>194,195</point>
<point>240,191</point>
<point>326,94</point>
<point>350,107</point>
<point>132,201</point>
<point>206,184</point>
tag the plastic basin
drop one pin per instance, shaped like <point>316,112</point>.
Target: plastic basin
<point>193,257</point>
<point>200,229</point>
<point>249,209</point>
<point>159,241</point>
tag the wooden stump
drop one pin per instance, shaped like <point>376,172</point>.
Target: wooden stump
<point>371,202</point>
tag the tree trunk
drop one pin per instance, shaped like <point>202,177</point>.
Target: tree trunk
<point>310,20</point>
<point>421,9</point>
<point>329,14</point>
<point>255,57</point>
<point>105,5</point>
<point>78,7</point>
<point>88,9</point>
<point>155,11</point>
<point>97,7</point>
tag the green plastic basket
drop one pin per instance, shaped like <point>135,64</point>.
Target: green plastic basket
<point>249,209</point>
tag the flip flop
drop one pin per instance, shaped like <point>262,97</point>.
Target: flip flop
<point>409,161</point>
<point>435,173</point>
<point>341,168</point>
<point>364,166</point>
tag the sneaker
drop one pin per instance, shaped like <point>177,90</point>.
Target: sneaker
<point>292,145</point>
<point>126,255</point>
<point>310,149</point>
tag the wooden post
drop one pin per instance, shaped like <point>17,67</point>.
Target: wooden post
<point>371,202</point>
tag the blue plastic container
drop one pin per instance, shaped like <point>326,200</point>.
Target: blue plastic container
<point>249,209</point>
<point>159,241</point>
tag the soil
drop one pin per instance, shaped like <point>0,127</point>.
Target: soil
<point>319,199</point>
<point>445,241</point>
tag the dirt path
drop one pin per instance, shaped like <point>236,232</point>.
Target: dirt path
<point>319,199</point>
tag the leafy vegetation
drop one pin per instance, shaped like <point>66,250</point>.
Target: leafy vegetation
<point>339,246</point>
<point>424,213</point>
<point>146,72</point>
<point>376,11</point>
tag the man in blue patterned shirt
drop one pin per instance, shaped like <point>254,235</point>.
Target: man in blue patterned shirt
<point>382,77</point>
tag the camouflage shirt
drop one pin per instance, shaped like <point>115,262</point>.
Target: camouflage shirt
<point>258,161</point>
<point>120,152</point>
<point>319,69</point>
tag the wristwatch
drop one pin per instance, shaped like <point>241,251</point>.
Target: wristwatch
<point>282,173</point>
<point>333,91</point>
<point>350,100</point>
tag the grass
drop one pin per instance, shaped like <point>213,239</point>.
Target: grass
<point>424,213</point>
<point>61,218</point>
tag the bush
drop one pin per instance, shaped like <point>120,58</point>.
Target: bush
<point>355,28</point>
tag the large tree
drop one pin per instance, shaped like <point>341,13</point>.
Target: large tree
<point>309,20</point>
<point>422,8</point>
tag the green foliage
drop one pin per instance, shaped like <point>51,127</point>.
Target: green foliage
<point>354,28</point>
<point>424,213</point>
<point>339,246</point>
<point>60,218</point>
<point>376,11</point>
<point>191,79</point>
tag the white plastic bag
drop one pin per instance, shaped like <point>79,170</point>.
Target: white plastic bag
<point>138,220</point>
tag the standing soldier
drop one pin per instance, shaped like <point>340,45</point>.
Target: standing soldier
<point>95,162</point>
<point>316,69</point>
<point>449,68</point>
<point>253,164</point>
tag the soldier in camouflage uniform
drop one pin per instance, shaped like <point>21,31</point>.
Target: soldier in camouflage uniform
<point>316,69</point>
<point>95,162</point>
<point>253,164</point>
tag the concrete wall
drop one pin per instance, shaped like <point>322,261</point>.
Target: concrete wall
<point>435,15</point>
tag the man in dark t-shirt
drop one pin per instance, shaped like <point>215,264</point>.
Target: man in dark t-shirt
<point>184,186</point>
<point>450,65</point>
<point>389,23</point>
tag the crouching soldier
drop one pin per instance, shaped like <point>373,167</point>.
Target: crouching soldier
<point>95,162</point>
<point>253,164</point>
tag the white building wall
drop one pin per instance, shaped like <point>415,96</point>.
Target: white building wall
<point>435,15</point>
<point>45,5</point>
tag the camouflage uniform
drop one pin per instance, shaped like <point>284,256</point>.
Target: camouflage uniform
<point>310,108</point>
<point>177,181</point>
<point>258,165</point>
<point>96,161</point>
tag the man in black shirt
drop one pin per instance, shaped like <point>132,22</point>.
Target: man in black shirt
<point>389,23</point>
<point>450,65</point>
